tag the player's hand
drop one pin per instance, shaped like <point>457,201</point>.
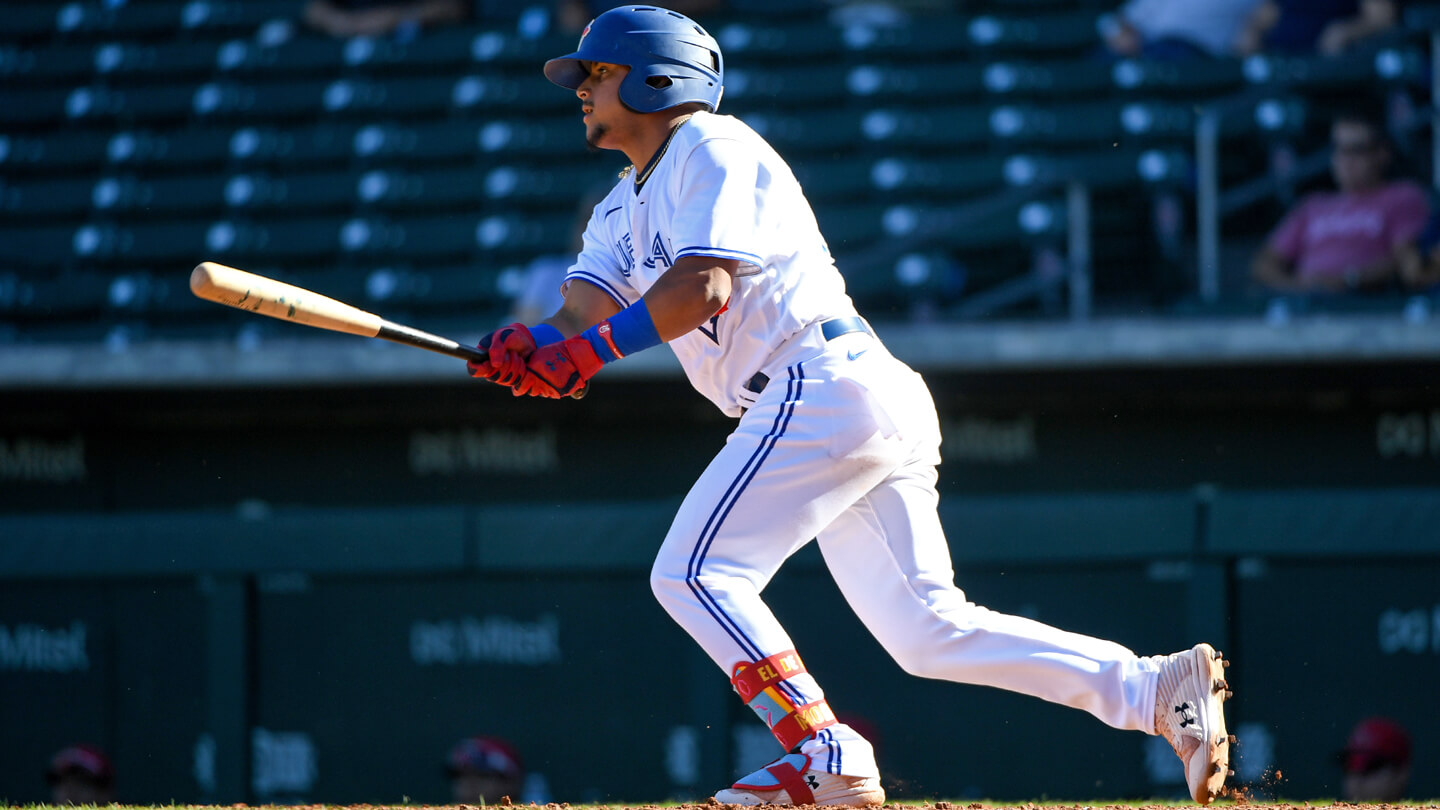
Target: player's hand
<point>508,348</point>
<point>559,369</point>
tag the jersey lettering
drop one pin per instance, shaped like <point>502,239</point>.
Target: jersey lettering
<point>625,255</point>
<point>658,254</point>
<point>714,331</point>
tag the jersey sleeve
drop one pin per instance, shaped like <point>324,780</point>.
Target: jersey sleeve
<point>603,260</point>
<point>717,210</point>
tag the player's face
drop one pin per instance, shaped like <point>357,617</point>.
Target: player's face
<point>606,119</point>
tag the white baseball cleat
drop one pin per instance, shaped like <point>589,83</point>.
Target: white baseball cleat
<point>1189,714</point>
<point>789,782</point>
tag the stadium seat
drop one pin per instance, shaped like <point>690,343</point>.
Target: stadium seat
<point>42,153</point>
<point>817,131</point>
<point>947,128</point>
<point>45,64</point>
<point>1031,33</point>
<point>216,16</point>
<point>803,85</point>
<point>46,197</point>
<point>752,42</point>
<point>914,83</point>
<point>25,22</point>
<point>501,235</point>
<point>931,177</point>
<point>1206,78</point>
<point>1025,79</point>
<point>517,55</point>
<point>121,61</point>
<point>506,136</point>
<point>25,106</point>
<point>849,225</point>
<point>302,193</point>
<point>1331,73</point>
<point>40,246</point>
<point>308,55</point>
<point>310,144</point>
<point>824,185</point>
<point>925,37</point>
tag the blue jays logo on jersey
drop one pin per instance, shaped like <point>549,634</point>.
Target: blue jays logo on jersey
<point>624,248</point>
<point>658,254</point>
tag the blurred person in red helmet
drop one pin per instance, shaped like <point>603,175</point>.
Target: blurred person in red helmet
<point>81,774</point>
<point>484,770</point>
<point>1376,761</point>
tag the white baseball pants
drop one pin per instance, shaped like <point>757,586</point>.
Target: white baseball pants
<point>842,446</point>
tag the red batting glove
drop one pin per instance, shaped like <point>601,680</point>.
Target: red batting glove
<point>508,347</point>
<point>559,369</point>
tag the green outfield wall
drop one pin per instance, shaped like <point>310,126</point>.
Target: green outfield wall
<point>297,594</point>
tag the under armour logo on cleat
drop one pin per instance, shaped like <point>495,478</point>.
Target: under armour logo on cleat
<point>814,783</point>
<point>1186,711</point>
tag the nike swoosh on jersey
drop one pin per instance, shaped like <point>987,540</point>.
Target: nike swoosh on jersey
<point>854,355</point>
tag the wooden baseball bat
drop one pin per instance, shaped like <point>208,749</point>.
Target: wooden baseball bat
<point>266,296</point>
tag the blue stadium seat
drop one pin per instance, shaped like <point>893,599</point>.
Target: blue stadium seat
<point>748,42</point>
<point>46,197</point>
<point>26,106</point>
<point>508,136</point>
<point>1032,33</point>
<point>926,37</point>
<point>799,85</point>
<point>309,144</point>
<point>914,83</point>
<point>520,235</point>
<point>932,177</point>
<point>25,22</point>
<point>1196,77</point>
<point>219,16</point>
<point>283,237</point>
<point>1028,79</point>
<point>42,153</point>
<point>41,63</point>
<point>818,131</point>
<point>301,193</point>
<point>939,127</point>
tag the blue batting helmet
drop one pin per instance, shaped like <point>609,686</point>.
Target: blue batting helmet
<point>672,60</point>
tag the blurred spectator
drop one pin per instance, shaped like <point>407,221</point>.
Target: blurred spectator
<point>1353,238</point>
<point>485,770</point>
<point>368,18</point>
<point>1376,761</point>
<point>1327,27</point>
<point>81,774</point>
<point>574,15</point>
<point>1420,265</point>
<point>1175,29</point>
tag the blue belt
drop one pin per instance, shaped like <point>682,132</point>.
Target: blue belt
<point>830,330</point>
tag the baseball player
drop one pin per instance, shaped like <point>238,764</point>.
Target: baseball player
<point>708,244</point>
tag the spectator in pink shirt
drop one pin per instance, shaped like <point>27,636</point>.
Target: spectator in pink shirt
<point>1352,238</point>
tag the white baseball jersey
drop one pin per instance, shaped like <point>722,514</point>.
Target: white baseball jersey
<point>718,189</point>
<point>841,447</point>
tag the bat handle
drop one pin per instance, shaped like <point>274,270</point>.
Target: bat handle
<point>410,336</point>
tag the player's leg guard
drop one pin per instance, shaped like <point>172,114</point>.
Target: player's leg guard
<point>791,780</point>
<point>760,685</point>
